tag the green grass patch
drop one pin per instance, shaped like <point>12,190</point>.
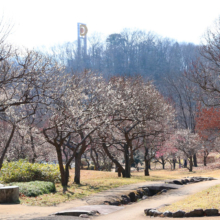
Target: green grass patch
<point>34,188</point>
<point>23,171</point>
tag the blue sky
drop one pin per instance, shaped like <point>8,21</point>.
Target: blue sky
<point>51,22</point>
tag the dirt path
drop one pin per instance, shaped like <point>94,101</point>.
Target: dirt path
<point>130,212</point>
<point>12,212</point>
<point>136,210</point>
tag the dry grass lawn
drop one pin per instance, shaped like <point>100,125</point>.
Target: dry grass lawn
<point>96,181</point>
<point>203,200</point>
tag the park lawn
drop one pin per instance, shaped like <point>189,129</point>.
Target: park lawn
<point>97,181</point>
<point>205,199</point>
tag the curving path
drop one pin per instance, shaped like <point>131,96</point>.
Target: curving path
<point>136,210</point>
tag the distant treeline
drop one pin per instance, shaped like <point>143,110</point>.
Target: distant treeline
<point>129,53</point>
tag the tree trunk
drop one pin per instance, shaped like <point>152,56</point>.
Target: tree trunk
<point>97,159</point>
<point>33,149</point>
<point>65,154</point>
<point>117,164</point>
<point>88,164</point>
<point>163,163</point>
<point>179,161</point>
<point>174,163</point>
<point>190,163</point>
<point>78,156</point>
<point>146,170</point>
<point>195,160</point>
<point>119,171</point>
<point>67,167</point>
<point>7,146</point>
<point>127,162</point>
<point>185,163</point>
<point>67,174</point>
<point>77,168</point>
<point>205,157</point>
<point>94,160</point>
<point>64,178</point>
<point>147,163</point>
<point>206,154</point>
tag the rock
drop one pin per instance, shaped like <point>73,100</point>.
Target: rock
<point>186,180</point>
<point>187,214</point>
<point>146,211</point>
<point>195,213</point>
<point>198,179</point>
<point>211,178</point>
<point>177,182</point>
<point>106,203</point>
<point>116,202</point>
<point>152,211</point>
<point>94,212</point>
<point>9,194</point>
<point>178,214</point>
<point>157,213</point>
<point>125,199</point>
<point>140,193</point>
<point>167,214</point>
<point>159,193</point>
<point>75,213</point>
<point>168,182</point>
<point>144,197</point>
<point>137,196</point>
<point>211,212</point>
<point>183,181</point>
<point>133,197</point>
<point>84,216</point>
<point>191,180</point>
<point>93,209</point>
<point>159,187</point>
<point>146,191</point>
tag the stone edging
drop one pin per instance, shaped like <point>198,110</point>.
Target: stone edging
<point>189,180</point>
<point>182,214</point>
<point>150,190</point>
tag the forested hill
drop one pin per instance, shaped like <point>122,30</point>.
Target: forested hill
<point>131,53</point>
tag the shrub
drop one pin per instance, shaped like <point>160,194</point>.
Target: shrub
<point>23,171</point>
<point>35,188</point>
<point>84,163</point>
<point>92,167</point>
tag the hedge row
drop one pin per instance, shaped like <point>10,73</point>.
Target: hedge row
<point>35,188</point>
<point>23,171</point>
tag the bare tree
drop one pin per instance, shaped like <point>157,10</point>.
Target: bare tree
<point>179,90</point>
<point>23,80</point>
<point>205,71</point>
